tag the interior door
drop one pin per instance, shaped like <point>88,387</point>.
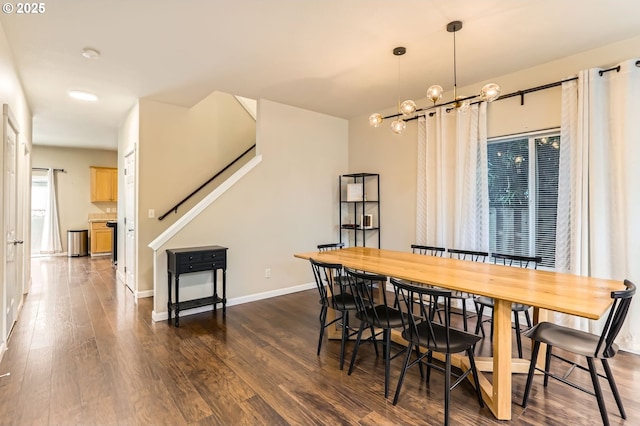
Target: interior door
<point>130,221</point>
<point>12,289</point>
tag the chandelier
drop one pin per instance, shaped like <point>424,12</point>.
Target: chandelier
<point>489,92</point>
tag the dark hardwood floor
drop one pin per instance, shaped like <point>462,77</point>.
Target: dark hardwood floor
<point>84,353</point>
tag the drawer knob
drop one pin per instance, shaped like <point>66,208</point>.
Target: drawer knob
<point>190,257</point>
<point>190,266</point>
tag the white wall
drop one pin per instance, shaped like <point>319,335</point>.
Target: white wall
<point>378,150</point>
<point>287,204</point>
<point>12,94</point>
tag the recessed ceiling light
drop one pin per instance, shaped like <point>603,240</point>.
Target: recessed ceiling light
<point>90,53</point>
<point>83,96</point>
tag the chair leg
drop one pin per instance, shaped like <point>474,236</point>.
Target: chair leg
<point>493,311</point>
<point>345,332</point>
<point>532,370</point>
<point>402,373</point>
<point>614,388</point>
<point>387,354</point>
<point>323,318</point>
<point>547,364</point>
<point>373,337</point>
<point>474,372</point>
<point>418,356</point>
<point>464,313</point>
<point>355,349</point>
<point>528,318</point>
<point>429,361</point>
<point>518,338</point>
<point>479,328</point>
<point>447,388</point>
<point>598,391</point>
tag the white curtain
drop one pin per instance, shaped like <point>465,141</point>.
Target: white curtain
<point>598,228</point>
<point>452,196</point>
<point>51,243</point>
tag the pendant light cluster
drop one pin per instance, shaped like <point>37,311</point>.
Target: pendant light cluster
<point>488,93</point>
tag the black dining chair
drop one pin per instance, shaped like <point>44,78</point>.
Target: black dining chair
<point>423,333</point>
<point>427,250</point>
<point>462,296</point>
<point>330,246</point>
<point>487,302</point>
<point>334,294</point>
<point>582,343</point>
<point>374,314</point>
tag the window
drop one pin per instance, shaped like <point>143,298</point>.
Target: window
<point>523,195</point>
<point>39,196</point>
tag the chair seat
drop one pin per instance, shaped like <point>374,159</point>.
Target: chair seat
<point>383,317</point>
<point>576,341</point>
<point>459,341</point>
<point>343,302</point>
<point>488,302</point>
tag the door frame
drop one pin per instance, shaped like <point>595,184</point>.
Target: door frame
<point>130,257</point>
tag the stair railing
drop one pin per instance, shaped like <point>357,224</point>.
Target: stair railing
<point>174,209</point>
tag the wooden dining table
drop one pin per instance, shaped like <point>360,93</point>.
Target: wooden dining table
<point>545,291</point>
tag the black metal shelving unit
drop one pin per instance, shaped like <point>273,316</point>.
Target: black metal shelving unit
<point>363,198</point>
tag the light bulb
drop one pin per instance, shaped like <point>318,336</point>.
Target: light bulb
<point>408,107</point>
<point>375,119</point>
<point>489,92</point>
<point>398,126</point>
<point>434,93</point>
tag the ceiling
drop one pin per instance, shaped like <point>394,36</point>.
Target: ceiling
<point>329,56</point>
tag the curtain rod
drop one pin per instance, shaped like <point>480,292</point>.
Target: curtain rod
<point>44,169</point>
<point>520,93</point>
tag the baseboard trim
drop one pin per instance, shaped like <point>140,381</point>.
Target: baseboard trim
<point>143,294</point>
<point>162,316</point>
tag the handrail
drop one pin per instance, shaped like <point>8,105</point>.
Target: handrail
<point>175,208</point>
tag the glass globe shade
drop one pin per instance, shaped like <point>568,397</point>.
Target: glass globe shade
<point>489,92</point>
<point>375,119</point>
<point>435,93</point>
<point>398,126</point>
<point>408,107</point>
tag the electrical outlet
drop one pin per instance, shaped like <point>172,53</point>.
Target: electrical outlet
<point>267,273</point>
<point>152,213</point>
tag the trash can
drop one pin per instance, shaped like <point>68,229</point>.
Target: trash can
<point>78,242</point>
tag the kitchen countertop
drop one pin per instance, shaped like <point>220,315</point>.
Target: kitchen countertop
<point>102,217</point>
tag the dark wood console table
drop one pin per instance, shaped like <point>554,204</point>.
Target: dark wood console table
<point>196,259</point>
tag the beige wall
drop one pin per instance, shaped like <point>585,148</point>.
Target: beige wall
<point>179,149</point>
<point>287,204</point>
<point>12,94</point>
<point>394,156</point>
<point>73,185</point>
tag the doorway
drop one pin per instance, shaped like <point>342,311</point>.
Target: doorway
<point>39,191</point>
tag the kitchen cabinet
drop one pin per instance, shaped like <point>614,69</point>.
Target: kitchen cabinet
<point>104,184</point>
<point>101,236</point>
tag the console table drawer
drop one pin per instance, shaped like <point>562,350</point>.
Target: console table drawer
<point>183,268</point>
